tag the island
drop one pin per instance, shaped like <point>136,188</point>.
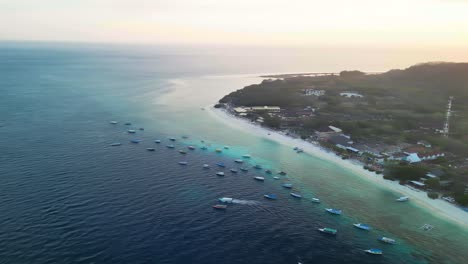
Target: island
<point>408,125</point>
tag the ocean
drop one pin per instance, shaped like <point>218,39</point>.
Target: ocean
<point>67,196</point>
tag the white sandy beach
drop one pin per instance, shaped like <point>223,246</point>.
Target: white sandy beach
<point>441,207</point>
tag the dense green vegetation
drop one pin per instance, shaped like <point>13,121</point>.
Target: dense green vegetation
<point>399,105</point>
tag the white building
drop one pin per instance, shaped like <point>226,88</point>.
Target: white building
<point>351,94</point>
<point>314,92</point>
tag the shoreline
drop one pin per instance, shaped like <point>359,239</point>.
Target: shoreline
<point>442,208</point>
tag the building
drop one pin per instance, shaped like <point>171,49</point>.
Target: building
<point>424,143</point>
<point>269,109</point>
<point>431,156</point>
<point>351,94</point>
<point>341,141</point>
<point>313,92</point>
<point>417,184</point>
<point>326,132</point>
<point>436,173</point>
<point>412,158</point>
<point>240,110</point>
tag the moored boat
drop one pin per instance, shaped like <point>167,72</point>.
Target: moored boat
<point>287,185</point>
<point>191,147</point>
<point>243,169</point>
<point>220,164</point>
<point>258,178</point>
<point>183,162</point>
<point>172,139</point>
<point>315,200</point>
<point>220,206</point>
<point>218,150</point>
<point>268,171</point>
<point>206,166</point>
<point>170,146</point>
<point>204,148</point>
<point>328,230</point>
<point>226,147</point>
<point>362,226</point>
<point>238,161</point>
<point>258,167</point>
<point>387,240</point>
<point>136,141</point>
<point>282,173</point>
<point>182,151</point>
<point>150,149</point>
<point>225,200</point>
<point>220,173</point>
<point>374,251</point>
<point>116,144</point>
<point>128,124</point>
<point>276,178</point>
<point>131,131</point>
<point>271,196</point>
<point>157,141</point>
<point>141,128</point>
<point>402,199</point>
<point>233,170</point>
<point>333,211</point>
<point>247,156</point>
<point>296,195</point>
<point>113,122</point>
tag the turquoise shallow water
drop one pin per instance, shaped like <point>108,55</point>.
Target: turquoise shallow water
<point>68,197</point>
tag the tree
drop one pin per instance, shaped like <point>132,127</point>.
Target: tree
<point>433,183</point>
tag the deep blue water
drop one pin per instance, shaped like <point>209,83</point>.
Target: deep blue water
<point>68,197</point>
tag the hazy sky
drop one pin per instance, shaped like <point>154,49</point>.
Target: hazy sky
<point>272,22</point>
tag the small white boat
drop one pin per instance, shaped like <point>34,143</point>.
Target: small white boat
<point>362,226</point>
<point>157,141</point>
<point>328,230</point>
<point>276,178</point>
<point>150,149</point>
<point>333,211</point>
<point>206,166</point>
<point>233,170</point>
<point>247,156</point>
<point>238,161</point>
<point>226,147</point>
<point>271,196</point>
<point>225,200</point>
<point>116,144</point>
<point>374,251</point>
<point>258,178</point>
<point>315,200</point>
<point>183,162</point>
<point>387,240</point>
<point>191,147</point>
<point>402,199</point>
<point>113,122</point>
<point>131,131</point>
<point>296,195</point>
<point>220,173</point>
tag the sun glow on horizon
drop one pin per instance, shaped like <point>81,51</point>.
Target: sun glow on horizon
<point>243,22</point>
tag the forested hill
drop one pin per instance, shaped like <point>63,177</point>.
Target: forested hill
<point>422,83</point>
